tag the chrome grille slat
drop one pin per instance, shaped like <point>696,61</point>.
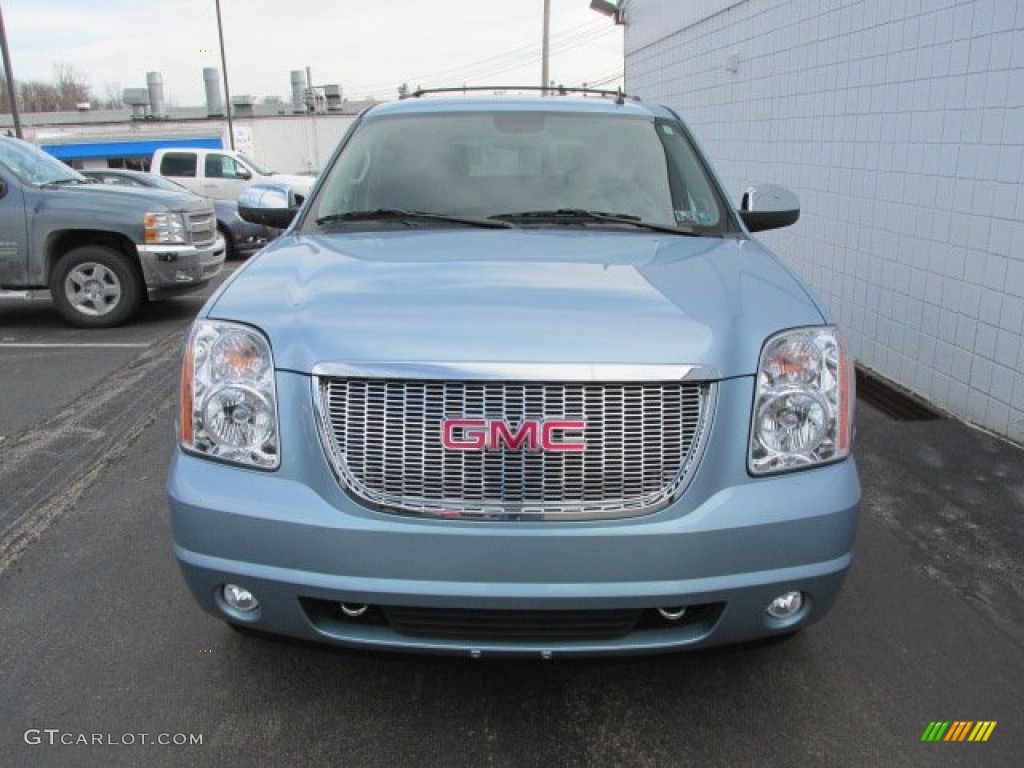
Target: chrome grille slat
<point>202,227</point>
<point>383,438</point>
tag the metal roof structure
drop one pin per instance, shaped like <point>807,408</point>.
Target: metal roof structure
<point>175,115</point>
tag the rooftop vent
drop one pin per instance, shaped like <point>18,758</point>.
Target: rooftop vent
<point>155,87</point>
<point>241,106</point>
<point>138,100</point>
<point>298,91</point>
<point>214,101</point>
<point>333,95</point>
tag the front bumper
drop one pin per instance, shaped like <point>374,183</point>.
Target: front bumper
<point>246,245</point>
<point>726,548</point>
<point>172,269</point>
<point>252,237</point>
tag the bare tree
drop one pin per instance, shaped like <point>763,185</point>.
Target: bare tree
<point>37,96</point>
<point>112,95</point>
<point>71,86</point>
<point>68,89</point>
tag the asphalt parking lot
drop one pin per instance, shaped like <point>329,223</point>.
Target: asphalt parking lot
<point>101,637</point>
<point>74,400</point>
<point>47,363</point>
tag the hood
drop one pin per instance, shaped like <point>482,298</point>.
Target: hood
<point>513,296</point>
<point>141,198</point>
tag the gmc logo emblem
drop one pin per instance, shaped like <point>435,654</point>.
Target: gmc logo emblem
<point>557,435</point>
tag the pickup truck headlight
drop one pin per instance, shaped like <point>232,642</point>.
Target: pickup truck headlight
<point>803,403</point>
<point>228,397</point>
<point>164,228</point>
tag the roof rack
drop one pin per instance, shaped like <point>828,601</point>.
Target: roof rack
<point>559,90</point>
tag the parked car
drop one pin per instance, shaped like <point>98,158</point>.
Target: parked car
<point>219,173</point>
<point>517,381</point>
<point>100,250</point>
<point>242,238</point>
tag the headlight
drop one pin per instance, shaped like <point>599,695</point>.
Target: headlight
<point>164,228</point>
<point>228,398</point>
<point>803,404</point>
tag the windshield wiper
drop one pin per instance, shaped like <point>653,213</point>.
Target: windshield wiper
<point>577,215</point>
<point>383,214</point>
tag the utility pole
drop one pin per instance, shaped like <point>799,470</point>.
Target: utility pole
<point>227,90</point>
<point>9,74</point>
<point>312,115</point>
<point>545,48</point>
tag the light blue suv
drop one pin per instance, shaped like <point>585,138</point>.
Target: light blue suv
<point>516,381</point>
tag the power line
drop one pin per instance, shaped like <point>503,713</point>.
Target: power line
<point>556,50</point>
<point>502,62</point>
<point>597,82</point>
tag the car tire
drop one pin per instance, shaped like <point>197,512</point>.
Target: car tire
<point>230,251</point>
<point>94,286</point>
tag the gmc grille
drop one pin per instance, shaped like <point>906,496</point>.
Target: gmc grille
<point>383,439</point>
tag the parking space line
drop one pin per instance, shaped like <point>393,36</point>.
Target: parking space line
<point>72,345</point>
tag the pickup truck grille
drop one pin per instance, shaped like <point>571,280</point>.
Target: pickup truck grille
<point>383,438</point>
<point>202,228</point>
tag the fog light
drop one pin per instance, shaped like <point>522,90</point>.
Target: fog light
<point>674,613</point>
<point>354,610</point>
<point>239,598</point>
<point>785,605</point>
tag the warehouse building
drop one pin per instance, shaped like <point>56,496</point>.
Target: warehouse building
<point>292,137</point>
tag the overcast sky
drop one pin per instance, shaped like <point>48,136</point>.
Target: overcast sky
<point>368,47</point>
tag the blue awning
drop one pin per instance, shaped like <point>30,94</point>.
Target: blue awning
<point>111,149</point>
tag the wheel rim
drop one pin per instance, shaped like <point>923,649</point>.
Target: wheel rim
<point>93,289</point>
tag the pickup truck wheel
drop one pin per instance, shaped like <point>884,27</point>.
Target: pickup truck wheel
<point>94,286</point>
<point>230,252</point>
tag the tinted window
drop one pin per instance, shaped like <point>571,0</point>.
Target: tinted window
<point>223,167</point>
<point>178,164</point>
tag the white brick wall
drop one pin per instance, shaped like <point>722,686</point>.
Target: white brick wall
<point>900,124</point>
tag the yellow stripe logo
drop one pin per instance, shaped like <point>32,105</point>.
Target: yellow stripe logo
<point>958,730</point>
<point>982,730</point>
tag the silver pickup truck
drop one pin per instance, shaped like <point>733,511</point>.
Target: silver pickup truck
<point>101,250</point>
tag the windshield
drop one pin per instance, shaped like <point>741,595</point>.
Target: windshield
<point>485,164</point>
<point>133,179</point>
<point>33,166</point>
<point>163,183</point>
<point>260,169</point>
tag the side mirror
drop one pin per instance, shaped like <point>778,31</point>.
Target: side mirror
<point>768,206</point>
<point>271,203</point>
<point>242,173</point>
<point>3,187</point>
